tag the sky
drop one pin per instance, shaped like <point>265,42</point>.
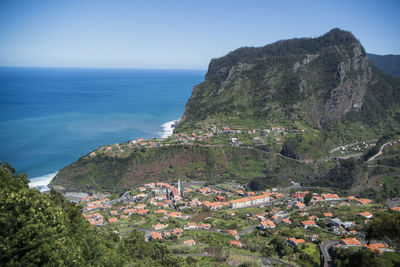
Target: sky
<point>177,34</point>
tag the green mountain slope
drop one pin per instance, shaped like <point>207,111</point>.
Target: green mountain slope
<point>326,83</point>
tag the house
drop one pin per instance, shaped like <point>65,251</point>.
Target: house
<point>233,233</point>
<point>190,225</point>
<point>219,198</point>
<point>295,242</point>
<point>328,214</point>
<point>190,242</point>
<point>142,211</point>
<point>175,214</point>
<point>377,247</point>
<point>161,211</point>
<point>350,242</point>
<point>308,223</point>
<point>330,197</point>
<point>113,212</point>
<point>351,198</point>
<point>336,222</point>
<point>96,215</point>
<point>299,205</point>
<point>366,214</point>
<point>113,220</point>
<point>267,224</point>
<point>236,243</point>
<point>155,235</point>
<point>364,201</point>
<point>159,226</point>
<point>240,192</point>
<point>287,221</point>
<point>205,226</point>
<point>395,208</point>
<point>177,231</point>
<point>313,217</point>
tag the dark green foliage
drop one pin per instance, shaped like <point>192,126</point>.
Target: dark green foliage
<point>359,258</point>
<point>342,176</point>
<point>304,147</point>
<point>385,227</point>
<point>308,198</point>
<point>47,230</point>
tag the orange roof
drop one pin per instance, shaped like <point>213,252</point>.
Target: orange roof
<point>351,241</point>
<point>352,198</point>
<point>235,243</point>
<point>313,217</point>
<point>328,214</point>
<point>192,224</point>
<point>330,196</point>
<point>232,232</point>
<point>240,200</point>
<point>396,208</point>
<point>156,235</point>
<point>286,221</point>
<point>161,211</point>
<point>191,241</point>
<point>268,223</point>
<point>142,211</point>
<point>296,241</point>
<point>376,247</point>
<point>177,231</point>
<point>365,214</point>
<point>174,214</point>
<point>299,204</point>
<point>364,200</point>
<point>308,222</point>
<point>239,191</point>
<point>204,225</point>
<point>113,220</point>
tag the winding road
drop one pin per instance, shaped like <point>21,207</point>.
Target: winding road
<point>325,246</point>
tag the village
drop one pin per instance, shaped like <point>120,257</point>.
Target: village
<point>201,220</point>
<point>211,135</point>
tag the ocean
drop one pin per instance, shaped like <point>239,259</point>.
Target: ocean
<point>49,117</point>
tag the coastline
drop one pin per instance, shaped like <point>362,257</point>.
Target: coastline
<point>168,128</point>
<point>41,182</point>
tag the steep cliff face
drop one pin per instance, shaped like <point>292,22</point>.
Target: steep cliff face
<point>314,80</point>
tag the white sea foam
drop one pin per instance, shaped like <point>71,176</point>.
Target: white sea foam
<point>41,182</point>
<point>168,128</point>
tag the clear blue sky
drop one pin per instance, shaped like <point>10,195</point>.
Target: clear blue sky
<point>177,34</point>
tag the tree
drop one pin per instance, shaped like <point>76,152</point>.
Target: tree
<point>307,198</point>
<point>386,227</point>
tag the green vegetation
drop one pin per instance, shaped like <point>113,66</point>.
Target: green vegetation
<point>386,227</point>
<point>47,230</point>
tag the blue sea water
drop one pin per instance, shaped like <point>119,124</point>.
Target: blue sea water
<point>49,117</point>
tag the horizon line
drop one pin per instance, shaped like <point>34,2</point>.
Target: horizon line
<point>113,68</point>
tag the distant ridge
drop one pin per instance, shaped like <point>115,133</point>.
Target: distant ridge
<point>390,64</point>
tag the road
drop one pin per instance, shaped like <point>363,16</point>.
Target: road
<point>325,251</point>
<point>380,152</point>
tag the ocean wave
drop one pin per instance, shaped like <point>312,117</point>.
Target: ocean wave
<point>41,182</point>
<point>168,128</point>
